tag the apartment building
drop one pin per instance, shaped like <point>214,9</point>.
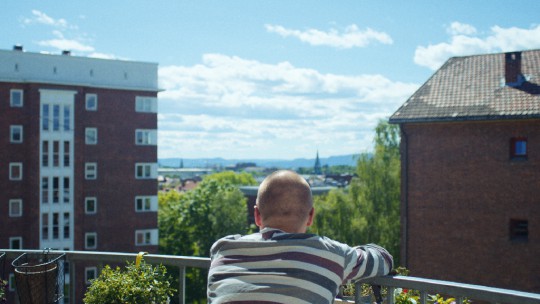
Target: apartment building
<point>78,156</point>
<point>470,143</point>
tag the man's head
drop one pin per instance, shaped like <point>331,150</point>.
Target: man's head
<point>284,202</point>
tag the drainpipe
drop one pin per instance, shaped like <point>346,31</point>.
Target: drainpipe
<point>405,197</point>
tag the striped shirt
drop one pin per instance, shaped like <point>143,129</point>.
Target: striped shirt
<point>277,267</point>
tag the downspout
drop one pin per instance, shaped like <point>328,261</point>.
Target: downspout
<point>404,197</point>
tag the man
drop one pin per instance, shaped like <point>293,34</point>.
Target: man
<point>282,263</point>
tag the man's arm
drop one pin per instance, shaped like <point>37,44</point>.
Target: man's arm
<point>368,261</point>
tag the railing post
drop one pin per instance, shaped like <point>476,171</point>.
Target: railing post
<point>181,284</point>
<point>423,297</point>
<point>390,295</point>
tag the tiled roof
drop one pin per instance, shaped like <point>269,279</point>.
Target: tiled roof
<point>473,88</point>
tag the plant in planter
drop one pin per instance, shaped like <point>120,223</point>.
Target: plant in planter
<point>137,284</point>
<point>3,286</point>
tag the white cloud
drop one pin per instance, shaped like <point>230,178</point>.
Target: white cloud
<point>229,103</point>
<point>61,43</point>
<point>464,42</point>
<point>351,36</point>
<point>457,28</point>
<point>42,18</point>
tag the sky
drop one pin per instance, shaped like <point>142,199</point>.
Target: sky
<point>274,79</point>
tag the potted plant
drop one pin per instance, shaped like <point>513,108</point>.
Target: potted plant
<point>136,284</point>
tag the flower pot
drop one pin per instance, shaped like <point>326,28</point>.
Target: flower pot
<point>36,283</point>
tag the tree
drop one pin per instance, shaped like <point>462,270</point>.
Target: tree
<point>368,210</point>
<point>190,222</point>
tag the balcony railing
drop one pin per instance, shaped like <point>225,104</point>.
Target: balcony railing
<point>425,286</point>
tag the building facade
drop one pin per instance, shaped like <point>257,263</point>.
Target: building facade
<point>78,163</point>
<point>470,154</point>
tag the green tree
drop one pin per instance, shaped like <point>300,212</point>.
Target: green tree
<point>368,210</point>
<point>190,222</point>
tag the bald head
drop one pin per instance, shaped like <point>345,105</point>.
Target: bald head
<point>284,201</point>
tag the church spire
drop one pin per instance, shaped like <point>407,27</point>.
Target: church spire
<point>317,168</point>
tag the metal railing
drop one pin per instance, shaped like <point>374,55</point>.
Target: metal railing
<point>425,286</point>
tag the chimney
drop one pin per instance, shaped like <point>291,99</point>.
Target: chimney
<point>512,69</point>
<point>18,47</point>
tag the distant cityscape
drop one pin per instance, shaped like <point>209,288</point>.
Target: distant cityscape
<point>342,160</point>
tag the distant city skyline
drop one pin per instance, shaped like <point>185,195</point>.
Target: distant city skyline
<point>275,79</point>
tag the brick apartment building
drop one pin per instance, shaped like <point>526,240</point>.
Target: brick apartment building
<point>78,157</point>
<point>470,152</point>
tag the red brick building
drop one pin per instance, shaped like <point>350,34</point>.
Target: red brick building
<point>78,157</point>
<point>470,152</point>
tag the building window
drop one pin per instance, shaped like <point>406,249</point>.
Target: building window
<point>16,134</point>
<point>90,273</point>
<point>45,153</point>
<point>519,230</point>
<point>15,242</point>
<point>15,207</point>
<point>146,137</point>
<point>91,102</point>
<point>66,225</point>
<point>518,148</point>
<point>90,240</point>
<point>16,98</point>
<point>90,170</point>
<point>56,153</point>
<point>66,154</point>
<point>145,171</point>
<point>67,191</point>
<point>55,226</point>
<point>45,226</point>
<point>91,136</point>
<point>146,104</point>
<point>90,205</point>
<point>145,203</point>
<point>146,237</point>
<point>56,118</point>
<point>55,189</point>
<point>15,171</point>
<point>67,118</point>
<point>45,117</point>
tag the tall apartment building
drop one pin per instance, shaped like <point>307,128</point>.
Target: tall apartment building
<point>78,156</point>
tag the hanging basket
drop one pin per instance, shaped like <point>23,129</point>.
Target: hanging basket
<point>39,278</point>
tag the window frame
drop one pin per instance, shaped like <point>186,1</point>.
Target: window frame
<point>88,171</point>
<point>12,167</point>
<point>145,104</point>
<point>87,270</point>
<point>13,202</point>
<point>12,130</point>
<point>88,99</point>
<point>518,230</point>
<point>88,136</point>
<point>152,168</point>
<point>514,146</point>
<point>150,241</point>
<point>148,137</point>
<point>12,100</point>
<point>86,203</point>
<point>88,235</point>
<point>152,207</point>
<point>15,239</point>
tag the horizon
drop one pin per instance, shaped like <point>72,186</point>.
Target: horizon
<point>259,80</point>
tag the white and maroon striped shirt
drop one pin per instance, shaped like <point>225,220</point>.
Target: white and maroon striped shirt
<point>277,267</point>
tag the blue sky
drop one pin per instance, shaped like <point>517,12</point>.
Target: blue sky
<point>275,79</point>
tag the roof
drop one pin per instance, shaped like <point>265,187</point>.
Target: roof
<point>474,88</point>
<point>26,67</point>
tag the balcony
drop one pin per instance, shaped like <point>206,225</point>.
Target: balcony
<point>425,286</point>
